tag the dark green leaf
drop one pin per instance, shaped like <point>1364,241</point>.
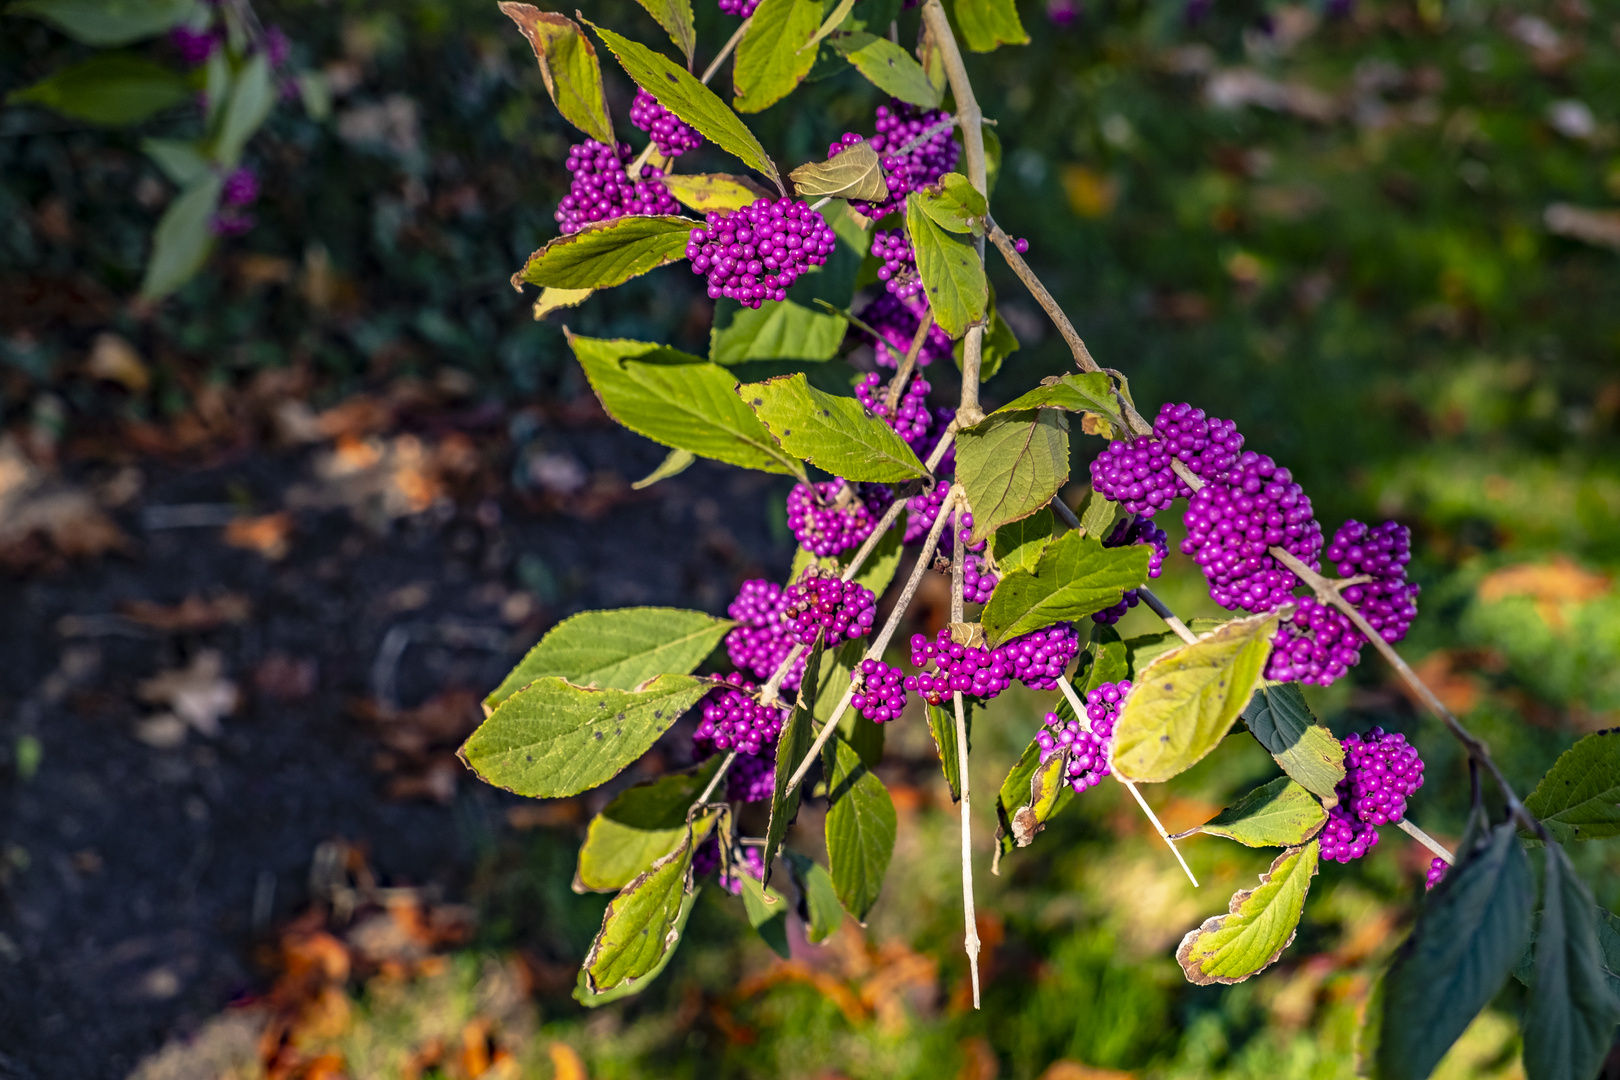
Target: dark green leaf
<point>1018,545</point>
<point>864,735</point>
<point>675,16</point>
<point>772,58</point>
<point>860,829</point>
<point>617,650</point>
<point>182,160</point>
<point>569,67</point>
<point>106,23</point>
<point>1109,660</point>
<point>680,401</point>
<point>1579,798</point>
<point>1259,924</point>
<point>112,89</point>
<point>791,746</point>
<point>582,992</point>
<point>1278,814</point>
<point>608,253</point>
<point>890,68</point>
<point>952,275</point>
<point>999,343</point>
<point>1282,722</point>
<point>1185,702</point>
<point>1570,1020</point>
<point>639,927</point>
<point>1012,465</point>
<point>1469,932</point>
<point>987,24</point>
<point>942,726</point>
<point>1075,576</point>
<point>818,900</point>
<point>252,96</point>
<point>834,433</point>
<point>640,826</point>
<point>767,913</point>
<point>853,174</point>
<point>552,739</point>
<point>183,238</point>
<point>682,94</point>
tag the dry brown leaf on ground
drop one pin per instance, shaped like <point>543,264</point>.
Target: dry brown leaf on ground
<point>114,359</point>
<point>192,614</point>
<point>1064,1069</point>
<point>1442,671</point>
<point>42,520</point>
<point>268,534</point>
<point>198,694</point>
<point>1553,586</point>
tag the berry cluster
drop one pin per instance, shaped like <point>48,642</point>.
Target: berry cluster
<point>752,779</point>
<point>1088,742</point>
<point>750,860</point>
<point>1317,645</point>
<point>668,132</point>
<point>923,508</point>
<point>1235,519</point>
<point>911,418</point>
<point>754,253</point>
<point>1436,874</point>
<point>740,8</point>
<point>1134,530</point>
<point>1389,601</point>
<point>895,322</point>
<point>602,191</point>
<point>881,694</point>
<point>972,669</point>
<point>1137,475</point>
<point>1207,446</point>
<point>734,720</point>
<point>907,167</point>
<point>841,610</point>
<point>825,526</point>
<point>194,46</point>
<point>760,641</point>
<point>978,580</point>
<point>1039,658</point>
<point>899,270</point>
<point>1380,772</point>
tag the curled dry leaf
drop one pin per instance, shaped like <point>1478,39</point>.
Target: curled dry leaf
<point>854,174</point>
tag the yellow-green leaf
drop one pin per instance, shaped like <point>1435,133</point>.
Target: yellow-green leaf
<point>986,24</point>
<point>639,926</point>
<point>675,16</point>
<point>569,67</point>
<point>772,58</point>
<point>713,191</point>
<point>1259,924</point>
<point>1278,814</point>
<point>640,826</point>
<point>834,433</point>
<point>608,253</point>
<point>557,299</point>
<point>674,463</point>
<point>952,275</point>
<point>891,69</point>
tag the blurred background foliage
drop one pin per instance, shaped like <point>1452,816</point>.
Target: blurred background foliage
<point>1381,236</point>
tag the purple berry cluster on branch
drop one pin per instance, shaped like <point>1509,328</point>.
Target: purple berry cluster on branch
<point>760,641</point>
<point>740,8</point>
<point>756,252</point>
<point>895,322</point>
<point>1436,874</point>
<point>1039,658</point>
<point>1388,602</point>
<point>881,693</point>
<point>1090,742</point>
<point>752,779</point>
<point>898,271</point>
<point>915,148</point>
<point>827,520</point>
<point>733,719</point>
<point>1236,518</point>
<point>602,191</point>
<point>672,137</point>
<point>972,669</point>
<point>1381,771</point>
<point>1134,530</point>
<point>750,860</point>
<point>840,610</point>
<point>978,580</point>
<point>910,418</point>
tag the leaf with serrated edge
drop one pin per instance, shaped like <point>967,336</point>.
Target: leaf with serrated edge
<point>713,191</point>
<point>818,900</point>
<point>675,16</point>
<point>860,829</point>
<point>1074,577</point>
<point>678,400</point>
<point>1184,703</point>
<point>582,992</point>
<point>780,330</point>
<point>608,253</point>
<point>854,174</point>
<point>568,66</point>
<point>1579,798</point>
<point>617,650</point>
<point>1090,392</point>
<point>552,739</point>
<point>679,91</point>
<point>890,68</point>
<point>1469,933</point>
<point>987,24</point>
<point>1278,814</point>
<point>1018,545</point>
<point>1570,1019</point>
<point>791,746</point>
<point>952,275</point>
<point>1011,466</point>
<point>1259,924</point>
<point>638,928</point>
<point>942,726</point>
<point>954,204</point>
<point>1281,721</point>
<point>837,434</point>
<point>640,826</point>
<point>771,58</point>
<point>674,463</point>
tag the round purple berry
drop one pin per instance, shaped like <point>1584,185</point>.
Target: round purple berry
<point>971,669</point>
<point>828,519</point>
<point>895,322</point>
<point>910,418</point>
<point>740,8</point>
<point>1039,658</point>
<point>1436,874</point>
<point>760,641</point>
<point>1381,771</point>
<point>240,188</point>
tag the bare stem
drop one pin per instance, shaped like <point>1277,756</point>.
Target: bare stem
<point>969,918</point>
<point>1426,840</point>
<point>1063,511</point>
<point>897,385</point>
<point>1005,245</point>
<point>714,781</point>
<point>634,170</point>
<point>1158,608</point>
<point>725,50</point>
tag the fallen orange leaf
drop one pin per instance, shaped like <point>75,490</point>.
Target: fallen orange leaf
<point>566,1063</point>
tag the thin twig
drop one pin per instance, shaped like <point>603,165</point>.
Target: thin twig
<point>1009,251</point>
<point>1158,608</point>
<point>1065,512</point>
<point>1426,840</point>
<point>725,50</point>
<point>897,384</point>
<point>714,781</point>
<point>970,920</point>
<point>634,170</point>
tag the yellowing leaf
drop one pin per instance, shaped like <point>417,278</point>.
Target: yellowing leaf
<point>1259,924</point>
<point>713,191</point>
<point>854,174</point>
<point>568,65</point>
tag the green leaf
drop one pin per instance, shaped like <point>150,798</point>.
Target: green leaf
<point>1570,1020</point>
<point>552,739</point>
<point>582,992</point>
<point>639,927</point>
<point>680,92</point>
<point>834,19</point>
<point>106,23</point>
<point>999,343</point>
<point>890,68</point>
<point>1579,798</point>
<point>182,160</point>
<point>854,174</point>
<point>1278,814</point>
<point>1109,661</point>
<point>818,899</point>
<point>836,669</point>
<point>942,726</point>
<point>1469,932</point>
<point>674,463</point>
<point>1282,723</point>
<point>1098,516</point>
<point>640,826</point>
<point>713,191</point>
<point>772,58</point>
<point>1091,392</point>
<point>780,330</point>
<point>767,913</point>
<point>252,96</point>
<point>954,205</point>
<point>952,275</point>
<point>878,570</point>
<point>1012,465</point>
<point>678,400</point>
<point>860,829</point>
<point>111,89</point>
<point>608,253</point>
<point>569,67</point>
<point>986,24</point>
<point>1075,576</point>
<point>183,239</point>
<point>617,650</point>
<point>791,746</point>
<point>834,433</point>
<point>1018,545</point>
<point>1184,703</point>
<point>1142,650</point>
<point>1259,924</point>
<point>675,16</point>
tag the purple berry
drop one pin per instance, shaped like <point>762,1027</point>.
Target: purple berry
<point>828,521</point>
<point>194,46</point>
<point>910,419</point>
<point>733,719</point>
<point>895,321</point>
<point>1380,772</point>
<point>276,47</point>
<point>752,777</point>
<point>602,191</point>
<point>914,147</point>
<point>1234,521</point>
<point>1389,601</point>
<point>880,694</point>
<point>1038,659</point>
<point>760,642</point>
<point>972,669</point>
<point>899,270</point>
<point>668,132</point>
<point>240,188</point>
<point>740,8</point>
<point>754,253</point>
<point>1436,874</point>
<point>840,610</point>
<point>1089,740</point>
